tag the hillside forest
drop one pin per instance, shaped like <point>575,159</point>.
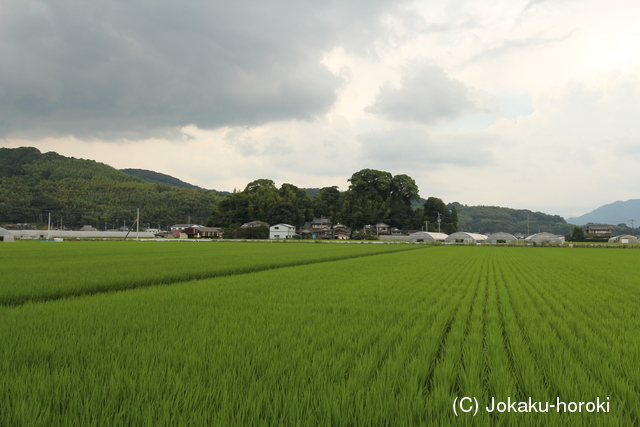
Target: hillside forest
<point>79,192</point>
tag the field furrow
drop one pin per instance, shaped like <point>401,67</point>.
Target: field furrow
<point>343,337</point>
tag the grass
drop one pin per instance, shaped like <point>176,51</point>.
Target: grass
<point>35,271</point>
<point>387,339</point>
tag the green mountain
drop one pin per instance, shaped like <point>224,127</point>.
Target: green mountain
<point>159,178</point>
<point>80,192</point>
<point>492,219</point>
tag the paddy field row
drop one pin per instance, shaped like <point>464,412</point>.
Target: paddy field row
<point>392,338</point>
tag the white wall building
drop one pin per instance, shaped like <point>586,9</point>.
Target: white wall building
<point>282,231</point>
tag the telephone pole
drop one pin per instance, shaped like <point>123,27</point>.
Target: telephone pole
<point>439,221</point>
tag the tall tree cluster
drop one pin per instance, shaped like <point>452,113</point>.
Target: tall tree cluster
<point>373,196</point>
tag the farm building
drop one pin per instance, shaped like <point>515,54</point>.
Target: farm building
<point>464,237</point>
<point>282,231</point>
<point>544,237</point>
<point>598,231</point>
<point>497,238</point>
<point>5,236</point>
<point>625,238</point>
<point>197,232</point>
<point>425,236</point>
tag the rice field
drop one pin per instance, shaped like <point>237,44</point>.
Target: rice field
<point>374,335</point>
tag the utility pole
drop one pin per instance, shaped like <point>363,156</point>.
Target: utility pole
<point>426,226</point>
<point>632,221</point>
<point>439,221</point>
<point>137,223</point>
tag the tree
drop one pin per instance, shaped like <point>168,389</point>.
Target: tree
<point>254,186</point>
<point>284,213</point>
<point>578,235</point>
<point>434,210</point>
<point>375,196</point>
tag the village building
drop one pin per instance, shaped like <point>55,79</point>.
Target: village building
<point>282,231</point>
<point>201,232</point>
<point>341,232</point>
<point>598,231</point>
<point>319,228</point>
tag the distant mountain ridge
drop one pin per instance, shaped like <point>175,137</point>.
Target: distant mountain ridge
<point>160,178</point>
<point>614,213</point>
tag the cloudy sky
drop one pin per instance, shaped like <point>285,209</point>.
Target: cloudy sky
<point>526,104</point>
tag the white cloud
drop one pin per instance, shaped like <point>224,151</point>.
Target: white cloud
<point>426,95</point>
<point>526,104</point>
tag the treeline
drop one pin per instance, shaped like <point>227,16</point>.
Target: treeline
<point>373,196</point>
<point>81,192</point>
<point>493,219</point>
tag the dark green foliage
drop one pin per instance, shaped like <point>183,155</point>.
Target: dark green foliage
<point>259,232</point>
<point>262,201</point>
<point>362,235</point>
<point>377,196</point>
<point>159,178</point>
<point>434,210</point>
<point>577,235</point>
<point>493,219</point>
<point>33,184</point>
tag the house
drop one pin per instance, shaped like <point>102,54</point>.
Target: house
<point>598,231</point>
<point>282,231</point>
<point>319,228</point>
<point>254,224</point>
<point>341,232</point>
<point>199,232</point>
<point>379,228</point>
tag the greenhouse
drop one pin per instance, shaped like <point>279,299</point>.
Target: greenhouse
<point>5,236</point>
<point>426,236</point>
<point>501,238</point>
<point>465,238</point>
<point>544,237</point>
<point>625,238</point>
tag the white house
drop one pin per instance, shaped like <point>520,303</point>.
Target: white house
<point>282,231</point>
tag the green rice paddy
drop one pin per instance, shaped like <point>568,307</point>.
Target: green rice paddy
<point>315,334</point>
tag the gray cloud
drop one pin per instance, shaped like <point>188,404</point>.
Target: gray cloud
<point>413,146</point>
<point>138,69</point>
<point>426,95</point>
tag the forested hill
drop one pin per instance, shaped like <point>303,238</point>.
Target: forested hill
<point>82,192</point>
<point>492,219</point>
<point>159,178</point>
